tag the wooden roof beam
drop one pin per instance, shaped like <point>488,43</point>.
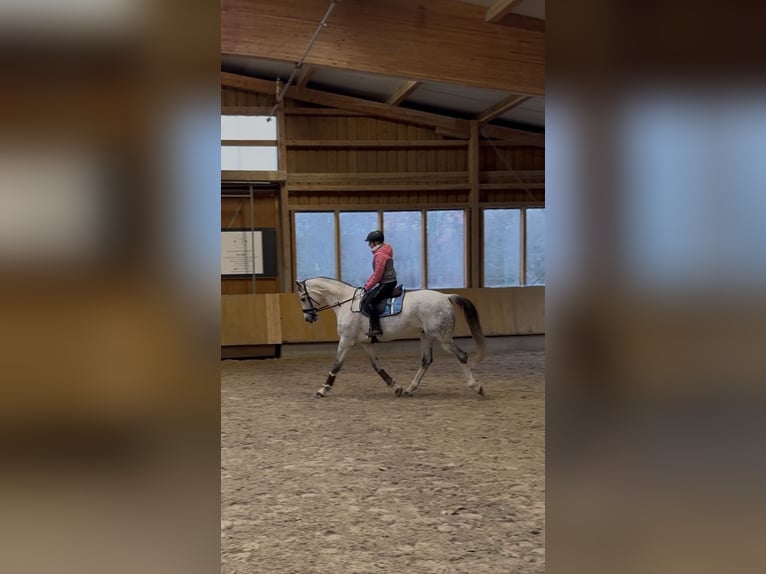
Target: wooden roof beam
<point>501,107</point>
<point>500,9</point>
<point>304,76</point>
<point>401,94</point>
<point>449,126</point>
<point>518,137</point>
<point>505,136</point>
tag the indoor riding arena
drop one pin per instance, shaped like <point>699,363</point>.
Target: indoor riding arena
<point>362,481</point>
<point>424,121</point>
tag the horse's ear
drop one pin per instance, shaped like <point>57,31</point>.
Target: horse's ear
<point>300,287</point>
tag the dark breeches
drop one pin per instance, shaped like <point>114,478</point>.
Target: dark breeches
<point>376,295</point>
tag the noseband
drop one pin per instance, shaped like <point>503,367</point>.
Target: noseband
<point>314,309</point>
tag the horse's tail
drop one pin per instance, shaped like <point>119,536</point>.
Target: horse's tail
<point>472,318</point>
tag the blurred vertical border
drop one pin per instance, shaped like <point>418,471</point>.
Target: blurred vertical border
<point>109,294</point>
<point>655,287</point>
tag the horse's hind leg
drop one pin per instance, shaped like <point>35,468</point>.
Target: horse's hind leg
<point>340,355</point>
<point>378,369</point>
<point>426,358</point>
<point>462,358</point>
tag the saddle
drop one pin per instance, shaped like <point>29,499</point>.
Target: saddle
<point>390,306</point>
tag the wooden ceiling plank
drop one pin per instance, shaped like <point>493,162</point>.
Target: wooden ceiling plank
<point>429,40</point>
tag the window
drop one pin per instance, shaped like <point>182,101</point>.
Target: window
<point>446,248</point>
<point>314,245</point>
<point>502,247</point>
<point>443,246</point>
<point>235,156</point>
<point>248,128</point>
<point>404,231</point>
<point>355,259</point>
<point>503,244</point>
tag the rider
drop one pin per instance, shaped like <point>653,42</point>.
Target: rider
<point>382,282</point>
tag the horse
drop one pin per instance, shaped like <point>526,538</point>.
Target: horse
<point>426,314</point>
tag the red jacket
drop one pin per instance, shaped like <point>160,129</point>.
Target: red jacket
<point>382,266</point>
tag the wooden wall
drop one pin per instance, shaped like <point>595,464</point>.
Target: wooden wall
<point>505,311</point>
<point>273,319</point>
<point>234,101</point>
<point>251,319</point>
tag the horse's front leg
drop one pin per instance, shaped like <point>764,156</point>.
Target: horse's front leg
<point>378,369</point>
<point>343,348</point>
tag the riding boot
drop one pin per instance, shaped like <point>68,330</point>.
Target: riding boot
<point>375,329</point>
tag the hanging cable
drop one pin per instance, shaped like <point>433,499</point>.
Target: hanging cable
<point>299,63</point>
<point>236,213</point>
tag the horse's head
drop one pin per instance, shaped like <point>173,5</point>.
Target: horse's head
<point>308,305</point>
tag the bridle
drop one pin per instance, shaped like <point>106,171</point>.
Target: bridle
<point>315,308</point>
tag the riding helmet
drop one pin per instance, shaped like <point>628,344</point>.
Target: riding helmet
<point>376,236</point>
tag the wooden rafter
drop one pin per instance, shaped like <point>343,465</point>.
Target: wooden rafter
<point>375,144</point>
<point>304,76</point>
<point>507,136</point>
<point>401,94</point>
<point>449,126</point>
<point>501,107</point>
<point>443,125</point>
<point>500,9</point>
<point>519,137</point>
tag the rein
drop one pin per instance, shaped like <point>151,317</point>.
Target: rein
<point>315,309</point>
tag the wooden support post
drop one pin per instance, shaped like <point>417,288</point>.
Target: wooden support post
<point>523,247</point>
<point>474,200</point>
<point>285,234</point>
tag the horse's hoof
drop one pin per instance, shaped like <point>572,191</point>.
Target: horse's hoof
<point>399,392</point>
<point>481,391</point>
<point>318,395</point>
